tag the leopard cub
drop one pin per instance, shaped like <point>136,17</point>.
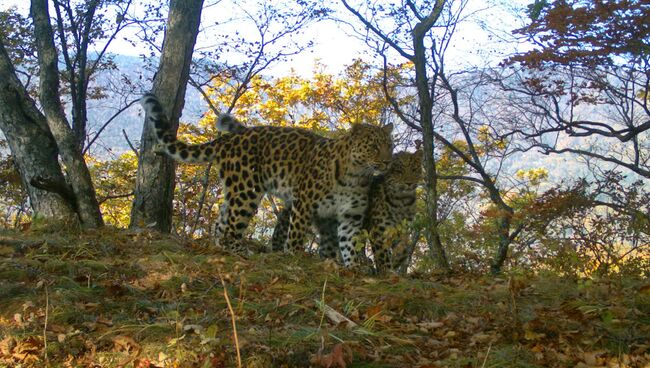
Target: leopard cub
<point>391,204</point>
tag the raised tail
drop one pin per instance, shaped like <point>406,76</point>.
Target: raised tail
<point>228,123</point>
<point>157,118</point>
<point>166,139</point>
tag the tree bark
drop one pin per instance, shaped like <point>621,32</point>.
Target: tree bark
<point>154,190</point>
<point>504,222</point>
<point>425,101</point>
<point>32,145</point>
<point>80,181</point>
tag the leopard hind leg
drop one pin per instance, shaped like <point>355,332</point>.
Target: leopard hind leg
<point>237,210</point>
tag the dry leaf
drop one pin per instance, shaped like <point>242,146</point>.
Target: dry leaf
<point>125,343</point>
<point>128,345</point>
<point>531,335</point>
<point>197,329</point>
<point>340,356</point>
<point>53,327</point>
<point>7,345</point>
<point>427,326</point>
<point>28,350</point>
<point>104,321</point>
<point>480,338</point>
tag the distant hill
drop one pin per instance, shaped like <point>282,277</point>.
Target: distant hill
<point>133,70</point>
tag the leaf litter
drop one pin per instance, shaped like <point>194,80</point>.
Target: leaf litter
<point>111,298</point>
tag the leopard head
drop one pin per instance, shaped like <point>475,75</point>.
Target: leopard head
<point>372,148</point>
<point>405,168</point>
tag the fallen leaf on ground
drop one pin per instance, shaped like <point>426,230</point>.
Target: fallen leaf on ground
<point>340,356</point>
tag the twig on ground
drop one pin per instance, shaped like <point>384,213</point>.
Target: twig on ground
<point>232,318</point>
<point>47,314</point>
<point>335,316</point>
<point>487,353</point>
<point>322,300</point>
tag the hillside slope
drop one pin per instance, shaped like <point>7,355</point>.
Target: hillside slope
<point>117,299</point>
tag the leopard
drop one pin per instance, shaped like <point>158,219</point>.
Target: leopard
<point>391,204</point>
<point>311,173</point>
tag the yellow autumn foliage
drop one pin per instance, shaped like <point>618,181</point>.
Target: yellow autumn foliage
<point>323,102</point>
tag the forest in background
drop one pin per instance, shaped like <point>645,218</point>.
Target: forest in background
<point>572,86</point>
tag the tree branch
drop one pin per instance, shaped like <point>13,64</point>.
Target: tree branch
<point>461,177</point>
<point>641,171</point>
<point>121,110</point>
<point>377,32</point>
<point>59,187</point>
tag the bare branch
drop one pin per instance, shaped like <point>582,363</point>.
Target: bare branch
<point>128,141</point>
<point>461,177</point>
<point>377,32</point>
<point>101,129</point>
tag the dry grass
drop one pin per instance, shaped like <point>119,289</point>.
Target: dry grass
<point>142,300</point>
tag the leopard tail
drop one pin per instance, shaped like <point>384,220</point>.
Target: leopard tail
<point>167,142</point>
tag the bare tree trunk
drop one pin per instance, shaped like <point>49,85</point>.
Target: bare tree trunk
<point>432,233</point>
<point>32,145</point>
<point>80,181</point>
<point>505,238</point>
<point>426,121</point>
<point>154,190</point>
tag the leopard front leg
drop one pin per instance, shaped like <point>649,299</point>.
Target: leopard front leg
<point>381,248</point>
<point>279,239</point>
<point>328,243</point>
<point>350,226</point>
<point>301,213</point>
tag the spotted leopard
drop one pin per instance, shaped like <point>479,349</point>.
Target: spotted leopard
<point>391,204</point>
<point>314,175</point>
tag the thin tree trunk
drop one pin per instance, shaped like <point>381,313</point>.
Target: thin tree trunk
<point>505,238</point>
<point>426,121</point>
<point>32,145</point>
<point>155,180</point>
<point>80,181</point>
<point>432,233</point>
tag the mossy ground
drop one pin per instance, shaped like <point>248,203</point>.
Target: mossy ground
<point>113,298</point>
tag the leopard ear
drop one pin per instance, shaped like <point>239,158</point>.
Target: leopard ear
<point>356,129</point>
<point>388,128</point>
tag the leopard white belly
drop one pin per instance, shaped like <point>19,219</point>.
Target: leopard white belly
<point>338,202</point>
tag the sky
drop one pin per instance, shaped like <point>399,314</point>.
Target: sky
<point>335,45</point>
